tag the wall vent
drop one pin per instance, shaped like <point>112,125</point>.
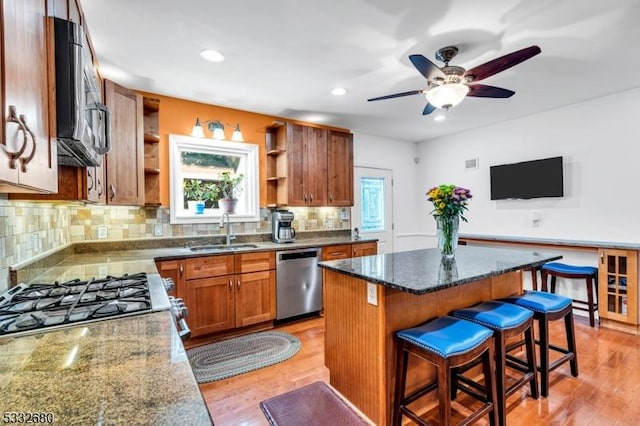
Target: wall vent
<point>471,164</point>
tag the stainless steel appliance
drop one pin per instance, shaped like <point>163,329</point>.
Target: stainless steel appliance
<point>82,118</point>
<point>281,229</point>
<point>298,282</point>
<point>38,307</point>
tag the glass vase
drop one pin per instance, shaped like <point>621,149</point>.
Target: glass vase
<point>447,235</point>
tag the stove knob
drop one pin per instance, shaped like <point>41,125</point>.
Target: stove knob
<point>179,308</point>
<point>169,286</point>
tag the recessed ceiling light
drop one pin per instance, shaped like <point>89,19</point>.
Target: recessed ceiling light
<point>339,91</point>
<point>440,117</point>
<point>212,55</point>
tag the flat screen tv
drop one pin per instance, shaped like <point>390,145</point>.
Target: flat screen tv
<point>528,179</point>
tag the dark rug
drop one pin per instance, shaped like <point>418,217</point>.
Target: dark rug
<point>220,360</point>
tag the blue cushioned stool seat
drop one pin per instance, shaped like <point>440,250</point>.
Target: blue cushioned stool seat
<point>540,301</point>
<point>547,307</point>
<point>507,321</point>
<point>495,314</point>
<point>569,269</point>
<point>446,343</point>
<point>587,273</point>
<point>446,336</point>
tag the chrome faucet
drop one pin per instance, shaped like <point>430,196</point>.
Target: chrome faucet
<point>230,235</point>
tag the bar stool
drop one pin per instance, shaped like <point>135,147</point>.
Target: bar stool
<point>507,322</point>
<point>548,307</point>
<point>587,273</point>
<point>446,343</point>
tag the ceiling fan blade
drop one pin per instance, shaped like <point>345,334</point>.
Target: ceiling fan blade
<point>502,63</point>
<point>427,68</point>
<point>397,95</point>
<point>484,91</point>
<point>428,109</point>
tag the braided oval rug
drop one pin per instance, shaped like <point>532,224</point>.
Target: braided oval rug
<point>228,358</point>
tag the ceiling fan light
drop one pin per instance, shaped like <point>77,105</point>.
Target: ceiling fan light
<point>447,95</point>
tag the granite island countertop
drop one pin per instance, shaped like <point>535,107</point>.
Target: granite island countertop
<point>425,271</point>
<point>131,371</point>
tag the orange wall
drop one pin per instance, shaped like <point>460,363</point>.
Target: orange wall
<point>177,117</point>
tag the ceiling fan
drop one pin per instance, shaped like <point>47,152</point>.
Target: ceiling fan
<point>448,86</point>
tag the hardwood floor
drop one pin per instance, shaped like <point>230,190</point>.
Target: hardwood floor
<point>605,393</point>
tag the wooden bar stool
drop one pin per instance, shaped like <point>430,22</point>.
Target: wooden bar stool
<point>587,273</point>
<point>548,307</point>
<point>446,343</point>
<point>507,322</point>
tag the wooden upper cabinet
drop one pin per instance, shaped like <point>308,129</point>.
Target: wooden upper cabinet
<point>340,169</point>
<point>125,160</point>
<point>316,149</point>
<point>28,159</point>
<point>298,164</point>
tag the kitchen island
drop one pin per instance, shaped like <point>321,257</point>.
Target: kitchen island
<point>367,299</point>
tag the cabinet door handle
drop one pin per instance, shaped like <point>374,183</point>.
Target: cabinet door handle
<point>304,197</point>
<point>602,258</point>
<point>238,284</point>
<point>311,198</point>
<point>181,269</point>
<point>230,284</point>
<point>330,198</point>
<point>100,187</point>
<point>26,160</point>
<point>13,156</point>
<point>113,191</point>
<point>90,179</point>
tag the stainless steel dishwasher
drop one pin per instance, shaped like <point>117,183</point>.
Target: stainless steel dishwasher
<point>298,282</point>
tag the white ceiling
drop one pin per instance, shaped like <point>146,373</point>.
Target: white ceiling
<point>283,57</point>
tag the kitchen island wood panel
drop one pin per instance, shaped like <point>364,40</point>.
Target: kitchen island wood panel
<point>413,287</point>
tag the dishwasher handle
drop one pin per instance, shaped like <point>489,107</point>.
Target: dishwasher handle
<point>283,256</point>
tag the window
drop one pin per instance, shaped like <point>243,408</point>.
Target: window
<point>372,196</point>
<point>204,161</point>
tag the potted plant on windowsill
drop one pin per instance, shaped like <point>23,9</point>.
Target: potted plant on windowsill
<point>194,193</point>
<point>226,191</point>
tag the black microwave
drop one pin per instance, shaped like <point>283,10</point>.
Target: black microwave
<point>82,118</point>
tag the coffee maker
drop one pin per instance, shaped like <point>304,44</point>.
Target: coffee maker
<point>281,230</point>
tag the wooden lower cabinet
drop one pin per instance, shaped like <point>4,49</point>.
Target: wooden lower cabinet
<point>211,305</point>
<point>255,300</point>
<point>618,289</point>
<point>341,251</point>
<point>345,251</point>
<point>224,292</point>
<point>365,249</point>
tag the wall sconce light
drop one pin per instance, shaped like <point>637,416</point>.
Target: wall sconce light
<point>216,127</point>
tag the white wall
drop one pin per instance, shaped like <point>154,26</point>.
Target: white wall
<point>600,142</point>
<point>398,156</point>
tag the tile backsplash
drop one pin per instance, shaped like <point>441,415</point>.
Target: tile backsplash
<point>28,229</point>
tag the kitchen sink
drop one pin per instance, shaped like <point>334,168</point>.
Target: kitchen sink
<point>222,247</point>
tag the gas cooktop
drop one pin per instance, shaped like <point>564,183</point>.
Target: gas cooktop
<point>29,308</point>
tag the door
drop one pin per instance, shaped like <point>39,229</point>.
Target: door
<point>211,305</point>
<point>340,169</point>
<point>373,206</point>
<point>255,298</point>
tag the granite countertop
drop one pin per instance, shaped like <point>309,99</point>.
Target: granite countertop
<point>131,371</point>
<point>553,241</point>
<point>101,259</point>
<point>425,271</point>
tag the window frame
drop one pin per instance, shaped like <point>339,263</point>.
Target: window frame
<point>250,194</point>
